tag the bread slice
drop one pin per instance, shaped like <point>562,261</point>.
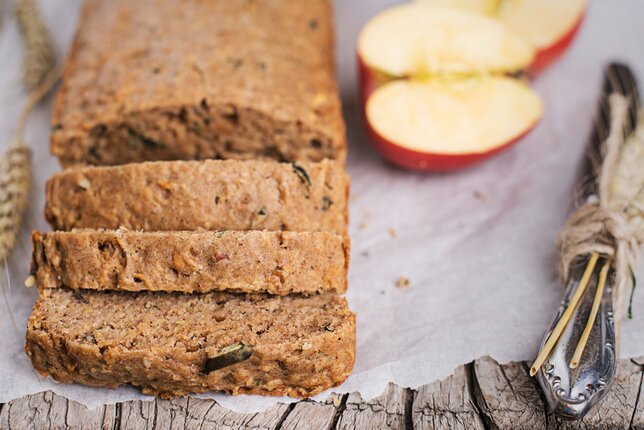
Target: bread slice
<point>173,344</point>
<point>177,79</point>
<point>210,194</point>
<point>192,261</point>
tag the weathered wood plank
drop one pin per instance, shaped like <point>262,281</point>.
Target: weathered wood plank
<point>194,413</point>
<point>507,396</point>
<point>383,412</point>
<point>171,414</point>
<point>81,418</point>
<point>617,409</point>
<point>51,411</point>
<point>481,395</point>
<point>637,421</point>
<point>137,415</point>
<point>158,414</point>
<point>309,415</point>
<point>447,404</point>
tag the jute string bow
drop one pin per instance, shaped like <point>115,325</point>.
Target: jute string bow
<point>608,224</point>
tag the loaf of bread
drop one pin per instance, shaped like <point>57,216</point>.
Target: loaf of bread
<point>181,276</point>
<point>173,344</point>
<point>185,79</point>
<point>210,194</point>
<point>192,261</point>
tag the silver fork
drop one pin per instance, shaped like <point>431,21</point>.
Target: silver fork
<point>572,392</point>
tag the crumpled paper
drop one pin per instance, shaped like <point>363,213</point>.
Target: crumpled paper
<point>476,245</point>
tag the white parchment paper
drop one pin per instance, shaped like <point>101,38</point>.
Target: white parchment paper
<point>477,245</point>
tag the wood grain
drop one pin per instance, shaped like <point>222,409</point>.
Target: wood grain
<point>447,404</point>
<point>480,395</point>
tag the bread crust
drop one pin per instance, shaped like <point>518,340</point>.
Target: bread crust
<point>161,342</point>
<point>178,79</point>
<point>201,261</point>
<point>209,194</point>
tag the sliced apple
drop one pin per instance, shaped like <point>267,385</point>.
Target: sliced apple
<point>445,124</point>
<point>436,87</point>
<point>488,7</point>
<point>415,39</point>
<point>548,25</point>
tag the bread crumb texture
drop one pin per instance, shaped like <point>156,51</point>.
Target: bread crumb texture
<point>209,194</point>
<point>191,261</point>
<point>161,342</point>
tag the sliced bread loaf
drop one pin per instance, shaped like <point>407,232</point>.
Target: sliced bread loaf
<point>200,261</point>
<point>173,344</point>
<point>210,194</point>
<point>177,79</point>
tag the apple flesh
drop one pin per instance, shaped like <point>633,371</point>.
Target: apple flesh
<point>435,86</point>
<point>419,40</point>
<point>548,25</point>
<point>447,124</point>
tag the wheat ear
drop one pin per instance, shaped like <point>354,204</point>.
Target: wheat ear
<point>15,185</point>
<point>40,55</point>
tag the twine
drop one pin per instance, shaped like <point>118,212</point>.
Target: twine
<point>604,224</point>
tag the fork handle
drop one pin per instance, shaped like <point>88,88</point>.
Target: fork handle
<point>571,393</point>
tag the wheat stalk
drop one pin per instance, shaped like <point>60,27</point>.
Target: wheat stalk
<point>40,74</point>
<point>40,55</point>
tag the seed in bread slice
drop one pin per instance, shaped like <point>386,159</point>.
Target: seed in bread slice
<point>173,344</point>
<point>173,79</point>
<point>192,261</point>
<point>211,195</point>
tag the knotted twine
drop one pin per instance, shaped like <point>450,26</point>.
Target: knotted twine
<point>608,224</point>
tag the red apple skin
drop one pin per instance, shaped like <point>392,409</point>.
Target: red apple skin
<point>547,56</point>
<point>431,162</point>
<point>370,79</point>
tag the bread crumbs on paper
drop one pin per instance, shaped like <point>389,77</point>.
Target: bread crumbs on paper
<point>366,216</point>
<point>403,282</point>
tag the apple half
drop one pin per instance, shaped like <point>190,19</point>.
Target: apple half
<point>447,124</point>
<point>437,86</point>
<point>548,25</point>
<point>415,39</point>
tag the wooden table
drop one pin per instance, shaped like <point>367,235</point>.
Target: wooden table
<point>479,395</point>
